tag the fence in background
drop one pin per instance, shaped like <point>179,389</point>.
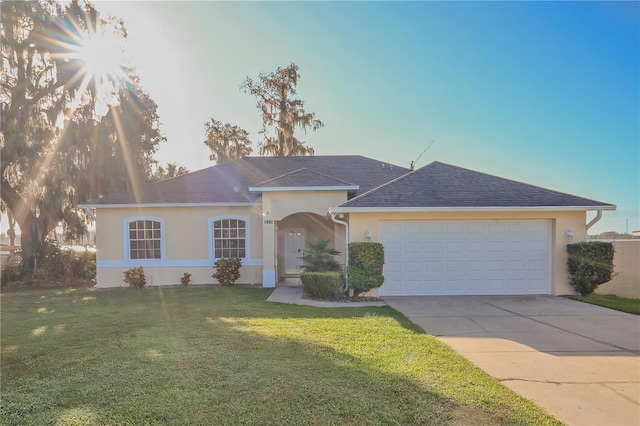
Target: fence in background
<point>626,281</point>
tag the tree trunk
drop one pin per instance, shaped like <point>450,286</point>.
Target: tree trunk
<point>11,232</point>
<point>29,244</point>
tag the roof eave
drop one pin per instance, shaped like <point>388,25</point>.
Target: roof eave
<point>348,209</point>
<point>164,205</point>
<point>304,188</point>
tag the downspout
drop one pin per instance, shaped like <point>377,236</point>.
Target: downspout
<point>595,219</point>
<point>346,261</point>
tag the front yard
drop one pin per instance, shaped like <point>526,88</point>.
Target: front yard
<point>211,355</point>
<point>630,306</point>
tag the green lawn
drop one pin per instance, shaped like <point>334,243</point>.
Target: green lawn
<point>211,355</point>
<point>631,306</point>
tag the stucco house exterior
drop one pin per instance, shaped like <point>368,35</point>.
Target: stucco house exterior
<point>446,230</point>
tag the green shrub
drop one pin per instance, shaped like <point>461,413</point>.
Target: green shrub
<point>319,257</point>
<point>135,277</point>
<point>323,285</point>
<point>227,270</point>
<point>55,267</point>
<point>186,279</point>
<point>11,275</point>
<point>590,264</point>
<point>366,261</point>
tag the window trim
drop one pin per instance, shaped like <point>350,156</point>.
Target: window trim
<point>247,238</point>
<point>127,240</point>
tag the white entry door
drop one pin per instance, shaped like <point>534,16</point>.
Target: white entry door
<point>293,249</point>
<point>436,257</point>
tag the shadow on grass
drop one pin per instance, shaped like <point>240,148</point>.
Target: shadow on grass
<point>215,356</point>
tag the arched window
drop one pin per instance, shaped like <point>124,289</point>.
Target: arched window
<point>144,238</point>
<point>230,236</point>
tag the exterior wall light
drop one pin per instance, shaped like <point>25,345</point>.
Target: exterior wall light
<point>368,235</point>
<point>569,234</point>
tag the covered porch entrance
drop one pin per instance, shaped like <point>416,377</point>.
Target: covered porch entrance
<point>292,234</point>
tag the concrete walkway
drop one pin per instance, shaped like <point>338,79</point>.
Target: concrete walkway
<point>293,295</point>
<point>580,362</point>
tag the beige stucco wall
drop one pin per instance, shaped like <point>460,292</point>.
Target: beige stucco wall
<point>279,204</point>
<point>187,239</point>
<point>187,244</point>
<point>113,277</point>
<point>626,261</point>
<point>361,222</point>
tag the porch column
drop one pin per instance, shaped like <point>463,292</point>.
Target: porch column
<point>268,253</point>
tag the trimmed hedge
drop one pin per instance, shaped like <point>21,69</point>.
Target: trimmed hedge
<point>135,277</point>
<point>323,285</point>
<point>366,261</point>
<point>227,270</point>
<point>590,264</point>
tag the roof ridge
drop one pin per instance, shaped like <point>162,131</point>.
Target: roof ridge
<point>377,188</point>
<point>308,170</point>
<point>281,176</point>
<point>330,177</point>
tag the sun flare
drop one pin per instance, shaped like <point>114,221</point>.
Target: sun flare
<point>101,56</point>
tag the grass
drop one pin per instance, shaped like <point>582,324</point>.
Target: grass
<point>211,355</point>
<point>631,306</point>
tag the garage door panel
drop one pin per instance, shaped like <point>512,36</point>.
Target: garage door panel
<point>466,257</point>
<point>475,247</point>
<point>495,246</point>
<point>413,247</point>
<point>455,247</point>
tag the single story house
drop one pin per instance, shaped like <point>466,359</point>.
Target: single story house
<point>446,230</point>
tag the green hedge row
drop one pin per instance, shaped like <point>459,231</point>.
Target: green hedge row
<point>590,264</point>
<point>323,285</point>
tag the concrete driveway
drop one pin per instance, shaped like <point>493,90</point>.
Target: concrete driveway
<point>580,362</point>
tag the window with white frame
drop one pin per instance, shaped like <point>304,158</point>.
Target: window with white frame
<point>230,238</point>
<point>145,239</point>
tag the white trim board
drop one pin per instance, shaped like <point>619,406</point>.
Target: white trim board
<point>304,188</point>
<point>156,263</point>
<point>467,209</point>
<point>163,205</point>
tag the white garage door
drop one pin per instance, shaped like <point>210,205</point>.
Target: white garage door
<point>466,257</point>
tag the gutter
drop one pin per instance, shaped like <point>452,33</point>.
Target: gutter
<point>595,219</point>
<point>348,209</point>
<point>346,261</point>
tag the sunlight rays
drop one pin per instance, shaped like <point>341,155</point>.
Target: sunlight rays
<point>93,55</point>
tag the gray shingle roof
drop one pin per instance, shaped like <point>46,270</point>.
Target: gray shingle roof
<point>230,182</point>
<point>303,178</point>
<point>439,185</point>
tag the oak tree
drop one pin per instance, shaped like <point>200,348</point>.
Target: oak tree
<point>68,132</point>
<point>281,113</point>
<point>226,142</point>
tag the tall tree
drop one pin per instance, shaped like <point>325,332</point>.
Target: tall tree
<point>170,171</point>
<point>281,113</point>
<point>226,142</point>
<point>68,132</point>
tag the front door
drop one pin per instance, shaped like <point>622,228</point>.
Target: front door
<point>293,250</point>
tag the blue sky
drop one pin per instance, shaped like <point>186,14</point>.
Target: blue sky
<point>542,92</point>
